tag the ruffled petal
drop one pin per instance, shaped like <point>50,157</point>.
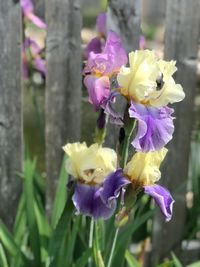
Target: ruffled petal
<point>155,126</point>
<point>110,60</point>
<point>98,89</point>
<point>112,186</point>
<point>162,198</point>
<point>87,200</point>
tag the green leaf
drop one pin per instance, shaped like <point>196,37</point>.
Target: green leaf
<point>167,264</point>
<point>8,240</point>
<point>176,260</point>
<point>3,260</point>
<point>20,221</point>
<point>29,171</point>
<point>83,260</point>
<point>61,195</point>
<point>195,264</point>
<point>60,234</point>
<point>132,262</point>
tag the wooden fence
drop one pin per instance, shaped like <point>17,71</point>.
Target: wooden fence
<point>63,96</point>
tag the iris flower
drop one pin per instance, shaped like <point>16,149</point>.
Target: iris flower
<point>90,167</point>
<point>101,67</point>
<point>142,172</point>
<point>149,81</point>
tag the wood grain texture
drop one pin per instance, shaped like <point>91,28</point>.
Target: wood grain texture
<point>10,109</point>
<point>181,43</point>
<point>63,84</point>
<point>123,17</point>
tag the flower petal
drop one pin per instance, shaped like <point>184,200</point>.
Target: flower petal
<point>155,126</point>
<point>98,89</point>
<point>162,198</point>
<point>87,200</point>
<point>95,45</point>
<point>115,117</point>
<point>101,23</point>
<point>110,60</point>
<point>112,186</point>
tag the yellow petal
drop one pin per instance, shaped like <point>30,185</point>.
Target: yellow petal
<point>90,164</point>
<point>143,168</point>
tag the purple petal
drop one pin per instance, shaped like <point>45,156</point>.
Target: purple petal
<point>40,65</point>
<point>35,20</point>
<point>95,45</point>
<point>115,117</point>
<point>112,186</point>
<point>98,89</point>
<point>101,23</point>
<point>87,200</point>
<point>162,198</point>
<point>27,6</point>
<point>155,126</point>
<point>142,42</point>
<point>110,60</point>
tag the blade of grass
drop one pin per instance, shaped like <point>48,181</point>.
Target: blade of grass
<point>132,262</point>
<point>83,260</point>
<point>177,262</point>
<point>61,195</point>
<point>3,260</point>
<point>60,232</point>
<point>29,170</point>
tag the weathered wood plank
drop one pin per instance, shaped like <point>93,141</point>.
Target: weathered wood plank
<point>10,109</point>
<point>181,42</point>
<point>63,84</point>
<point>123,17</point>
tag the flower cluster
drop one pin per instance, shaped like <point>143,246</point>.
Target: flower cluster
<point>32,50</point>
<point>148,87</point>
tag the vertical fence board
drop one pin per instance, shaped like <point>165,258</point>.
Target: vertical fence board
<point>123,17</point>
<point>10,109</point>
<point>181,44</point>
<point>63,85</point>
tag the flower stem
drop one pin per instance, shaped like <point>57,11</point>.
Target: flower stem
<point>113,248</point>
<point>91,240</point>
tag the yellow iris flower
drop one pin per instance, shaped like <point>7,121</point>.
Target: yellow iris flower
<point>139,82</point>
<point>90,164</point>
<point>143,168</point>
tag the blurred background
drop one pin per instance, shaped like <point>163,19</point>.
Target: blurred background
<point>55,107</point>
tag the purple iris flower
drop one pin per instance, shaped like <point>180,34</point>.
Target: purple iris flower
<point>110,60</point>
<point>162,198</point>
<point>155,126</point>
<point>113,184</point>
<point>101,66</point>
<point>99,201</point>
<point>28,11</point>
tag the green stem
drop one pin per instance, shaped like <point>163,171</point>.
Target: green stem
<point>113,248</point>
<point>91,240</point>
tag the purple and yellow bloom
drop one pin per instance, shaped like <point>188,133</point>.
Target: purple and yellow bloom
<point>90,167</point>
<point>142,172</point>
<point>154,126</point>
<point>101,66</point>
